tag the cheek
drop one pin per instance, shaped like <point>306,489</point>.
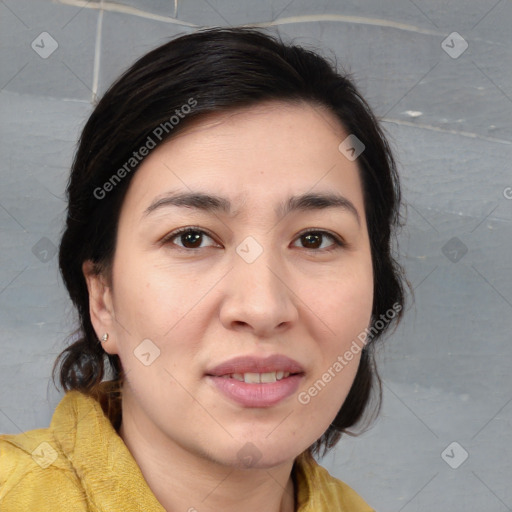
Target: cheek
<point>344,303</point>
<point>161,305</point>
<point>344,311</point>
<point>347,313</point>
<point>146,295</point>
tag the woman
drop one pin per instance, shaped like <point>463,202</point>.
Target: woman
<point>227,248</point>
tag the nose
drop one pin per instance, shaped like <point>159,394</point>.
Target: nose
<point>258,297</point>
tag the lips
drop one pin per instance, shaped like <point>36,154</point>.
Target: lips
<point>252,381</point>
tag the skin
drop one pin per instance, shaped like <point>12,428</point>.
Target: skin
<point>203,306</point>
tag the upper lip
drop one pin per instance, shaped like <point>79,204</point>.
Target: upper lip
<point>255,364</point>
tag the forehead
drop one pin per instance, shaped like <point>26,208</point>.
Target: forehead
<point>258,153</point>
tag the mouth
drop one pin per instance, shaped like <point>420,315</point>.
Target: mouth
<point>272,367</point>
<point>255,382</point>
<point>258,378</point>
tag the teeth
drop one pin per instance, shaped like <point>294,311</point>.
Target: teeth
<point>268,377</point>
<point>252,378</point>
<point>257,378</point>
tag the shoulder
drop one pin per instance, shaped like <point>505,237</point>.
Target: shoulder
<point>318,490</point>
<point>24,453</point>
<point>34,472</point>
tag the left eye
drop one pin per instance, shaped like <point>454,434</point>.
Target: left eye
<point>314,240</point>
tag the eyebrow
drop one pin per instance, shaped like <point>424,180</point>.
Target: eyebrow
<point>214,203</point>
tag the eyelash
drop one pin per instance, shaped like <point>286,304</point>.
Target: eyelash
<point>338,242</point>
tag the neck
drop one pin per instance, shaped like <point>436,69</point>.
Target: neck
<point>192,482</point>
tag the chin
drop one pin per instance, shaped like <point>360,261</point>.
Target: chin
<point>260,453</point>
<point>263,461</point>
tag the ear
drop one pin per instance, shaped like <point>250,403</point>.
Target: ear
<point>101,309</point>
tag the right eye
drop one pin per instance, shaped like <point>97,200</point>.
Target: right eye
<point>190,238</point>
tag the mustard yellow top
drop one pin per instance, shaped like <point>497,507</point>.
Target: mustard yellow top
<point>81,464</point>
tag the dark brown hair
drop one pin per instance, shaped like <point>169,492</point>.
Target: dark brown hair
<point>222,69</point>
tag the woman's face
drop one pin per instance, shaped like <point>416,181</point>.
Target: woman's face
<point>261,283</point>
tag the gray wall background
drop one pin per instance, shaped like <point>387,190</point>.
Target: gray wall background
<point>448,112</point>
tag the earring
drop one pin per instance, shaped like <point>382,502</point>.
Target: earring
<point>104,337</point>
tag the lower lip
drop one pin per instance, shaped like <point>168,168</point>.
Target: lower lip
<point>257,395</point>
